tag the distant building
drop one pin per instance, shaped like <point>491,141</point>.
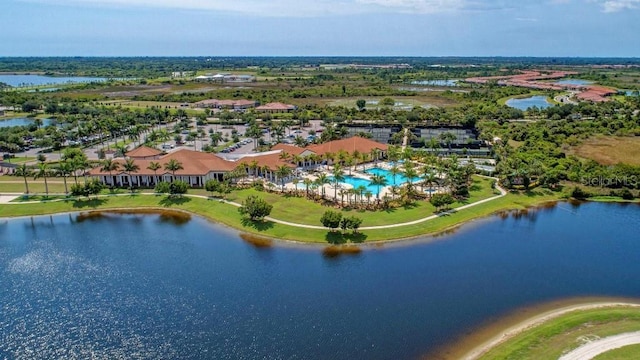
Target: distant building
<point>226,78</point>
<point>276,107</point>
<point>236,105</point>
<point>180,74</point>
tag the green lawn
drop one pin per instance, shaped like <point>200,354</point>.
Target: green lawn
<point>564,333</point>
<point>303,211</point>
<point>228,215</point>
<point>20,159</point>
<point>624,353</point>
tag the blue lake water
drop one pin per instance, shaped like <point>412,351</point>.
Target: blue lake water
<point>574,82</point>
<point>22,122</point>
<point>436,82</point>
<point>151,286</point>
<point>37,80</point>
<point>523,104</point>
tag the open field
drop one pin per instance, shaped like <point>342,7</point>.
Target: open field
<point>610,150</point>
<point>401,102</point>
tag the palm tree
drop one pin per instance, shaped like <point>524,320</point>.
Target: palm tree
<point>285,156</point>
<point>65,168</point>
<point>349,162</point>
<point>374,153</point>
<point>24,171</point>
<point>43,172</point>
<point>173,165</point>
<point>368,195</point>
<point>253,167</point>
<point>307,182</point>
<point>410,173</point>
<point>429,178</point>
<point>394,191</point>
<point>356,157</point>
<point>121,150</point>
<point>379,181</point>
<point>155,166</point>
<point>393,153</point>
<point>394,171</point>
<point>129,167</point>
<point>322,180</point>
<point>363,159</point>
<point>110,166</point>
<point>361,190</point>
<point>338,177</point>
<point>282,172</point>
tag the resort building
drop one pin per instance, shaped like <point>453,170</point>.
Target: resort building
<point>198,167</point>
<point>276,107</point>
<point>235,78</point>
<point>236,105</point>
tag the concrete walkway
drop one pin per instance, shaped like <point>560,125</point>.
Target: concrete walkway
<point>595,348</point>
<point>503,192</point>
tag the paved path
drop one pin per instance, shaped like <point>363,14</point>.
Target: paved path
<point>7,198</point>
<point>503,192</point>
<point>595,348</point>
<point>519,328</point>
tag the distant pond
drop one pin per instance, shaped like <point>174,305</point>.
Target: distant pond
<point>574,82</point>
<point>23,122</point>
<point>39,80</point>
<point>436,82</point>
<point>523,104</point>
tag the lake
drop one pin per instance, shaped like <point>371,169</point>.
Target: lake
<point>157,286</point>
<point>22,122</point>
<point>574,82</point>
<point>436,82</point>
<point>38,80</point>
<point>523,104</point>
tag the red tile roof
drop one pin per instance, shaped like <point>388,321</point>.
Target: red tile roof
<point>349,145</point>
<point>194,163</point>
<point>529,79</point>
<point>276,106</point>
<point>272,161</point>
<point>143,152</point>
<point>293,150</point>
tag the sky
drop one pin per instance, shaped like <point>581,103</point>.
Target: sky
<point>548,28</point>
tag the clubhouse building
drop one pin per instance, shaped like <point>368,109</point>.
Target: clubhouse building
<point>198,167</point>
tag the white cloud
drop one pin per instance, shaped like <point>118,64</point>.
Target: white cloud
<point>611,6</point>
<point>526,19</point>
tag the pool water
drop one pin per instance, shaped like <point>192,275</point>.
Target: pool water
<point>356,182</point>
<point>399,179</point>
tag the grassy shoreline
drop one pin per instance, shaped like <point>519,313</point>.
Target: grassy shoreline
<point>228,215</point>
<point>551,334</point>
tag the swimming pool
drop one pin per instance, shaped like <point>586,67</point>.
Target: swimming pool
<point>356,182</point>
<point>399,180</point>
